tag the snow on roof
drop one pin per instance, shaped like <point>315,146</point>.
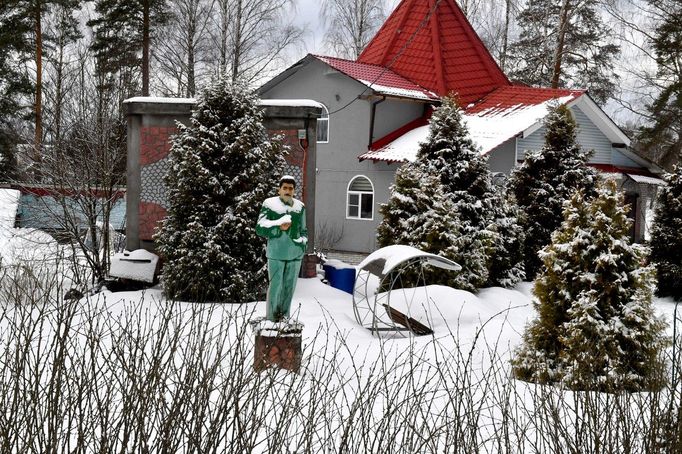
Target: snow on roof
<point>159,100</point>
<point>402,149</point>
<point>262,102</point>
<point>396,254</point>
<point>400,92</point>
<point>643,179</point>
<point>379,78</point>
<point>291,103</point>
<point>492,127</point>
<point>491,122</point>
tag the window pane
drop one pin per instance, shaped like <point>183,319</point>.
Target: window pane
<point>354,199</point>
<point>361,184</point>
<point>366,208</point>
<point>353,211</point>
<point>322,129</point>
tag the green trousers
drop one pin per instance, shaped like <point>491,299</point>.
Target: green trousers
<point>283,276</point>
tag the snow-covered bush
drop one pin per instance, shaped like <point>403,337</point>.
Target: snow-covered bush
<point>444,202</point>
<point>666,237</point>
<point>595,327</point>
<point>545,180</point>
<point>223,165</point>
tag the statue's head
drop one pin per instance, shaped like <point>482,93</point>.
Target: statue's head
<point>287,186</point>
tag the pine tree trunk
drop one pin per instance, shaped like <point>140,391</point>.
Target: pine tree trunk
<point>563,26</point>
<point>59,83</point>
<point>39,79</point>
<point>145,47</point>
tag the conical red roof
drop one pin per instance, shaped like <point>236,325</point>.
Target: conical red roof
<point>431,43</point>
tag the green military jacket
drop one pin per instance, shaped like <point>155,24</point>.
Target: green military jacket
<point>283,244</point>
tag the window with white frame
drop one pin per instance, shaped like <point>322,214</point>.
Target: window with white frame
<point>323,126</point>
<point>360,200</point>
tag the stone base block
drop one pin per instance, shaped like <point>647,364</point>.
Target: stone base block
<point>309,266</point>
<point>277,345</point>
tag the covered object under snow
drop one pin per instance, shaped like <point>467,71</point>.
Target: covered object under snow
<point>390,291</point>
<point>138,265</point>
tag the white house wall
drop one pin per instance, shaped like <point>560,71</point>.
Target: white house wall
<point>337,160</point>
<point>589,137</point>
<point>620,160</point>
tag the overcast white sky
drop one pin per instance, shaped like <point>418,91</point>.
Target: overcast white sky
<point>306,14</point>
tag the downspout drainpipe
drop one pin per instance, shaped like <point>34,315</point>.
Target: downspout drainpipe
<point>371,120</point>
<point>303,143</point>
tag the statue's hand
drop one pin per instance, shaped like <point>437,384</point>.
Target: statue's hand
<point>285,226</point>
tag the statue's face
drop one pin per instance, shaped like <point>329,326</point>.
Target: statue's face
<point>286,192</point>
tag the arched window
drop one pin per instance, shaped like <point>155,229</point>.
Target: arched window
<point>360,200</point>
<point>323,126</point>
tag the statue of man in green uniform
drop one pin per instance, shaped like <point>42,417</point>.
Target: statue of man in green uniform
<point>282,222</point>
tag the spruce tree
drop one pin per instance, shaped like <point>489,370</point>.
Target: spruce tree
<point>123,34</point>
<point>222,168</point>
<point>450,156</point>
<point>545,180</point>
<point>663,136</point>
<point>666,237</point>
<point>596,327</point>
<point>15,52</point>
<point>563,44</point>
<point>8,160</point>
<point>506,264</point>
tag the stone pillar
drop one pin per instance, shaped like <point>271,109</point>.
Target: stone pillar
<point>277,345</point>
<point>151,123</point>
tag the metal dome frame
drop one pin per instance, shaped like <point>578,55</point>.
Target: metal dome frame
<point>384,269</point>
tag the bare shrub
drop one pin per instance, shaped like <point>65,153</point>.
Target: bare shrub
<point>105,374</point>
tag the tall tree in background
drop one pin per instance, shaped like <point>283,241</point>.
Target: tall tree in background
<point>662,137</point>
<point>545,180</point>
<point>250,36</point>
<point>351,24</point>
<point>564,44</point>
<point>123,31</point>
<point>16,86</point>
<point>64,32</point>
<point>494,22</point>
<point>182,47</point>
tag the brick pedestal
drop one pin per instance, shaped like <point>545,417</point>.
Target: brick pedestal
<point>309,266</point>
<point>277,345</point>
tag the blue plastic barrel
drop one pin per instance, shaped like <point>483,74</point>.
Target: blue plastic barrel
<point>340,278</point>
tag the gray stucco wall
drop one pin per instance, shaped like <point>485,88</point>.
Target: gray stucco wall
<point>337,160</point>
<point>503,158</point>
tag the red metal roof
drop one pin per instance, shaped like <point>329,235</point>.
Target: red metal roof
<point>380,79</point>
<point>506,98</point>
<point>433,44</point>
